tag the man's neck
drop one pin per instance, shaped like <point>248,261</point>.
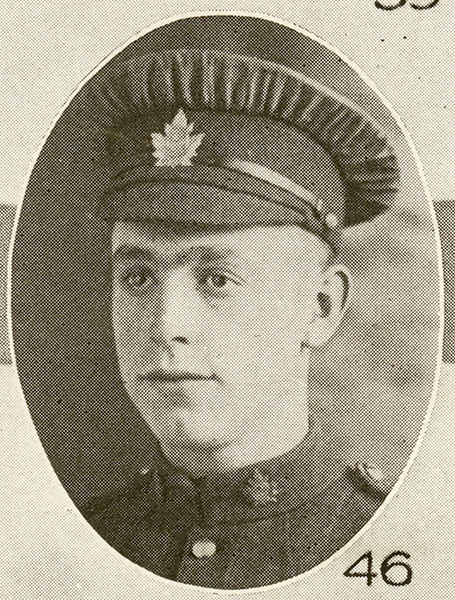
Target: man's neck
<point>200,462</point>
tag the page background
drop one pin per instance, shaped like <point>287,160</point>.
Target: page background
<point>48,550</point>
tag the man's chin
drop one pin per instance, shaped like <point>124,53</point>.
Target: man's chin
<point>194,415</point>
<point>198,431</point>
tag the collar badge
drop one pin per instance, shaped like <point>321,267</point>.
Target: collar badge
<point>178,145</point>
<point>260,489</point>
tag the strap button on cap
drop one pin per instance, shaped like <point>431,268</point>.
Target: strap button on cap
<point>203,548</point>
<point>331,220</point>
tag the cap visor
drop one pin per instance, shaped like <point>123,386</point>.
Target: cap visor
<point>184,201</point>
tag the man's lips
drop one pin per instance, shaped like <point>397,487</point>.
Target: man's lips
<point>173,377</point>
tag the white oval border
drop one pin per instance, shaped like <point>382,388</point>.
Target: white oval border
<point>424,426</point>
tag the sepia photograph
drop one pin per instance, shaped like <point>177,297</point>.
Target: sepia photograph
<point>225,274</point>
<point>225,310</point>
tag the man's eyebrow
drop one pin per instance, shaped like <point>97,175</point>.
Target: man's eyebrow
<point>127,252</point>
<point>203,253</point>
<point>207,254</point>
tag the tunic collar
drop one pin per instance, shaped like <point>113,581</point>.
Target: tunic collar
<point>253,492</point>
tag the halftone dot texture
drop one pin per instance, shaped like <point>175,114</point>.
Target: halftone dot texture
<point>370,386</point>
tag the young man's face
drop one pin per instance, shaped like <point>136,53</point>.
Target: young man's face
<point>209,327</point>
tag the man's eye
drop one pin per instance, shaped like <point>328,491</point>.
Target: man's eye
<point>219,282</point>
<point>138,279</point>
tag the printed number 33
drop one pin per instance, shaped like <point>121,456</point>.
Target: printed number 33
<point>393,4</point>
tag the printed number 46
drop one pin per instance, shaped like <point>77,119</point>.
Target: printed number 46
<point>388,568</point>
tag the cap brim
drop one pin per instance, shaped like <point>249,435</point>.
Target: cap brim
<point>193,202</point>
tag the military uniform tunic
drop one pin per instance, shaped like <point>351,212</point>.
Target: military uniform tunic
<point>254,527</point>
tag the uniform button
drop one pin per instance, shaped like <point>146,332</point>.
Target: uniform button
<point>203,548</point>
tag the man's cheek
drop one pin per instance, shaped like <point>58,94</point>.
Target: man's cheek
<point>257,355</point>
<point>128,337</point>
<point>122,330</point>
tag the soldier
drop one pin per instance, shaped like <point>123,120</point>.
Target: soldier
<point>231,180</point>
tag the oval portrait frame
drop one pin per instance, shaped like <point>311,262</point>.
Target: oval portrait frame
<point>422,181</point>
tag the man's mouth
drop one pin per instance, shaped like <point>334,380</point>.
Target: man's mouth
<point>173,376</point>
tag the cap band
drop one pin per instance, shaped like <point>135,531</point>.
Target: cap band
<point>266,174</point>
<point>259,181</point>
<point>211,195</point>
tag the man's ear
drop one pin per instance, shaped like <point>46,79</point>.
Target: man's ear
<point>331,303</point>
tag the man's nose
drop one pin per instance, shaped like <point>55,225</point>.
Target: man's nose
<point>179,315</point>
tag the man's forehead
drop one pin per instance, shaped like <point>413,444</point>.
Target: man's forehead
<point>131,239</point>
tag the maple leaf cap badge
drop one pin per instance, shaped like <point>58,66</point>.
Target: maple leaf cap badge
<point>178,145</point>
